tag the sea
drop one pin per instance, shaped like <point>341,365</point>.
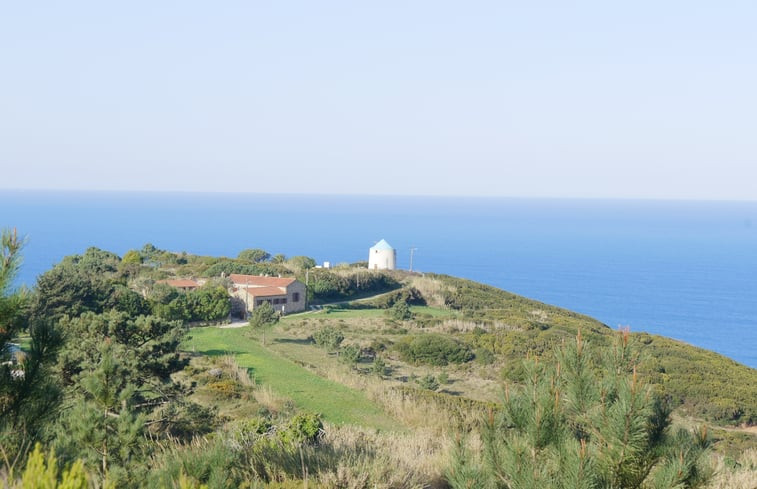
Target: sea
<point>682,269</point>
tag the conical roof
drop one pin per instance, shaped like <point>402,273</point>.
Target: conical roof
<point>382,245</point>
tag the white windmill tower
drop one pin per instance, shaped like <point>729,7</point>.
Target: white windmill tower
<point>382,256</point>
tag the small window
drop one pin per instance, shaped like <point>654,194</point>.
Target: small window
<point>296,297</point>
<point>283,301</point>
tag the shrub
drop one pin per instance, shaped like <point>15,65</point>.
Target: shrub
<point>226,388</point>
<point>484,356</point>
<point>228,266</point>
<point>303,428</point>
<point>400,311</point>
<point>433,349</point>
<point>254,255</point>
<point>350,354</point>
<point>408,295</point>
<point>328,337</point>
<point>42,472</point>
<point>330,286</point>
<point>378,367</point>
<point>246,432</point>
<point>428,382</point>
<point>263,318</point>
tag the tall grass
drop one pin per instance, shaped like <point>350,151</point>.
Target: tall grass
<point>240,374</point>
<point>385,460</point>
<point>740,473</point>
<point>433,290</point>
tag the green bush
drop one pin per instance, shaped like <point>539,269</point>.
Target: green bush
<point>229,266</point>
<point>484,356</point>
<point>408,295</point>
<point>328,337</point>
<point>209,304</point>
<point>433,349</point>
<point>303,428</point>
<point>254,255</point>
<point>428,382</point>
<point>42,472</point>
<point>378,367</point>
<point>328,286</point>
<point>350,354</point>
<point>400,311</point>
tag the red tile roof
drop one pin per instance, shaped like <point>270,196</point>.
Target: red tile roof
<point>263,291</point>
<point>257,280</point>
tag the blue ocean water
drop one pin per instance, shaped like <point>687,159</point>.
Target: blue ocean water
<point>687,270</point>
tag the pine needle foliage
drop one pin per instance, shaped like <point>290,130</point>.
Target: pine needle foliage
<point>28,396</point>
<point>588,422</point>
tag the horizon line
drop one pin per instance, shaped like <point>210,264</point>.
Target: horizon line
<point>371,194</point>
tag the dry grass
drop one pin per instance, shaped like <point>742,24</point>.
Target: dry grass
<point>465,326</point>
<point>265,396</point>
<point>240,374</point>
<point>431,289</point>
<point>386,460</point>
<point>411,412</point>
<point>738,474</point>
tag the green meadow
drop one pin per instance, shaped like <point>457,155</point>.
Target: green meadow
<point>337,403</point>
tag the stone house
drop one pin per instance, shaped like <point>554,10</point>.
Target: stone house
<point>286,295</point>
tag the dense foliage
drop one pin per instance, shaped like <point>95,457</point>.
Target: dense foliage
<point>228,266</point>
<point>95,341</point>
<point>210,303</point>
<point>699,381</point>
<point>255,255</point>
<point>328,337</point>
<point>579,427</point>
<point>433,349</point>
<point>332,286</point>
<point>28,394</point>
<point>406,295</point>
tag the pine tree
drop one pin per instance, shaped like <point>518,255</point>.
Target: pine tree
<point>586,422</point>
<point>119,392</point>
<point>28,395</point>
<point>103,427</point>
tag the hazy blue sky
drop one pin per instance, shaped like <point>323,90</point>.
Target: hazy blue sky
<point>653,99</point>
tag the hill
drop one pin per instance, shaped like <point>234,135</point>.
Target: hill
<point>499,327</point>
<point>384,383</point>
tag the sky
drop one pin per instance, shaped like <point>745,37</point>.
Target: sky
<point>643,99</point>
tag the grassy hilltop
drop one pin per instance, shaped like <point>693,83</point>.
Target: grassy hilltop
<point>388,381</point>
<point>499,329</point>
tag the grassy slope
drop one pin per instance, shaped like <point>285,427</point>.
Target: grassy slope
<point>337,403</point>
<point>705,383</point>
